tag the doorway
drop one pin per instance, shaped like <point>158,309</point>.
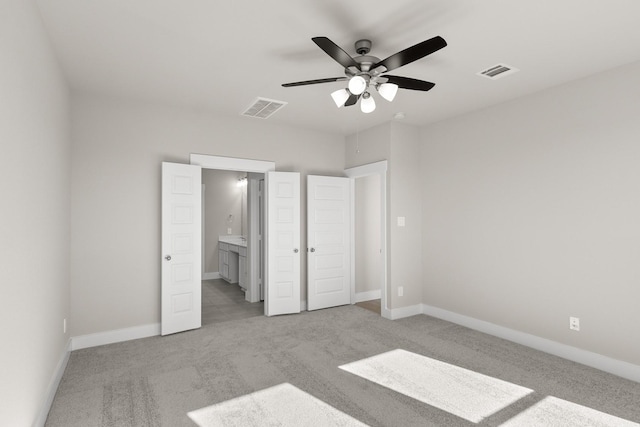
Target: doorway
<point>248,220</point>
<point>228,203</point>
<point>369,253</point>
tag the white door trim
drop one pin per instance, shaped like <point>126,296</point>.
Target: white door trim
<point>377,168</point>
<point>231,163</point>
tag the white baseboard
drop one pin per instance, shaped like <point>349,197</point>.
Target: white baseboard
<point>211,276</point>
<point>399,313</point>
<point>594,360</point>
<point>53,386</point>
<point>368,296</point>
<point>118,335</point>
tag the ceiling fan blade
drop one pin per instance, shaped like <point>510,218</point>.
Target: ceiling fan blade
<point>352,100</point>
<point>313,82</point>
<point>336,52</point>
<point>412,53</point>
<point>409,83</point>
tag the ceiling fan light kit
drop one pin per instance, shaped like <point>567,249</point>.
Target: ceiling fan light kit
<point>367,105</point>
<point>357,85</point>
<point>340,97</point>
<point>388,91</point>
<point>365,71</point>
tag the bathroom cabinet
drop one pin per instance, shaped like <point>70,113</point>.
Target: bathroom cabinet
<point>232,259</point>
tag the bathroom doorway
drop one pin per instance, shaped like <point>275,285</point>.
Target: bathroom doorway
<point>228,203</point>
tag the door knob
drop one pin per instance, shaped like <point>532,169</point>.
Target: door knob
<point>168,257</point>
<point>313,249</point>
<point>295,251</point>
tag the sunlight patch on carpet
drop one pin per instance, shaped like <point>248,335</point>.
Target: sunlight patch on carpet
<point>552,411</point>
<point>281,405</point>
<point>459,391</point>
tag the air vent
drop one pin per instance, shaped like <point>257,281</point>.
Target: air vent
<point>498,71</point>
<point>263,108</point>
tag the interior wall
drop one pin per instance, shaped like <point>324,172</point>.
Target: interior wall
<point>405,241</point>
<point>531,213</point>
<point>34,219</point>
<point>222,198</point>
<point>118,147</point>
<point>367,234</point>
<point>399,144</point>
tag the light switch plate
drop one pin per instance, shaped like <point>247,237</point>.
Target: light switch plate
<point>401,221</point>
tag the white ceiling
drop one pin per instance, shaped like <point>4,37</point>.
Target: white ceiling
<point>221,55</point>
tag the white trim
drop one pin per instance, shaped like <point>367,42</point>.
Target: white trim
<point>53,385</point>
<point>114,336</point>
<point>352,256</point>
<point>594,360</point>
<point>368,295</point>
<point>231,163</point>
<point>379,168</point>
<point>211,276</point>
<point>366,170</point>
<point>402,312</point>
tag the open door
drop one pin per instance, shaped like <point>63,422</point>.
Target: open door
<point>181,250</point>
<point>283,243</point>
<point>329,241</point>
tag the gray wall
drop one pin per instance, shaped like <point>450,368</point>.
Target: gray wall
<point>34,219</point>
<point>531,213</point>
<point>222,197</point>
<point>117,150</point>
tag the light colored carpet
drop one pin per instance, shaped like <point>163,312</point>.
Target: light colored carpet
<point>459,391</point>
<point>281,405</point>
<point>157,381</point>
<point>552,411</point>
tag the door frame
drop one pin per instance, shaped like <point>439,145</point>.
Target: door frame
<point>206,161</point>
<point>380,169</point>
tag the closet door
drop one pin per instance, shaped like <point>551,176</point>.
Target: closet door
<point>329,241</point>
<point>181,248</point>
<point>283,243</point>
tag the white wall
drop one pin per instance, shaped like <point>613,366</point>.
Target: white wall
<point>531,214</point>
<point>117,150</point>
<point>34,219</point>
<point>367,234</point>
<point>222,197</point>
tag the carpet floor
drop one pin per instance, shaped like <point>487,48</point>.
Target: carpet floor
<point>183,379</point>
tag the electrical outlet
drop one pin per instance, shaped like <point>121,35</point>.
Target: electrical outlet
<point>574,323</point>
<point>64,326</point>
<point>400,291</point>
<point>229,231</point>
<point>401,221</point>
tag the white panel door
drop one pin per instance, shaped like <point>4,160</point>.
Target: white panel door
<point>282,295</point>
<point>328,241</point>
<point>181,250</point>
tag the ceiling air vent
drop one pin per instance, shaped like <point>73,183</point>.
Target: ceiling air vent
<point>498,71</point>
<point>263,108</point>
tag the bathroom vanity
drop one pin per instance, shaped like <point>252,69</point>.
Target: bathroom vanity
<point>232,259</point>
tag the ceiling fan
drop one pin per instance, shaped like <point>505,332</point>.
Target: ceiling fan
<point>366,71</point>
